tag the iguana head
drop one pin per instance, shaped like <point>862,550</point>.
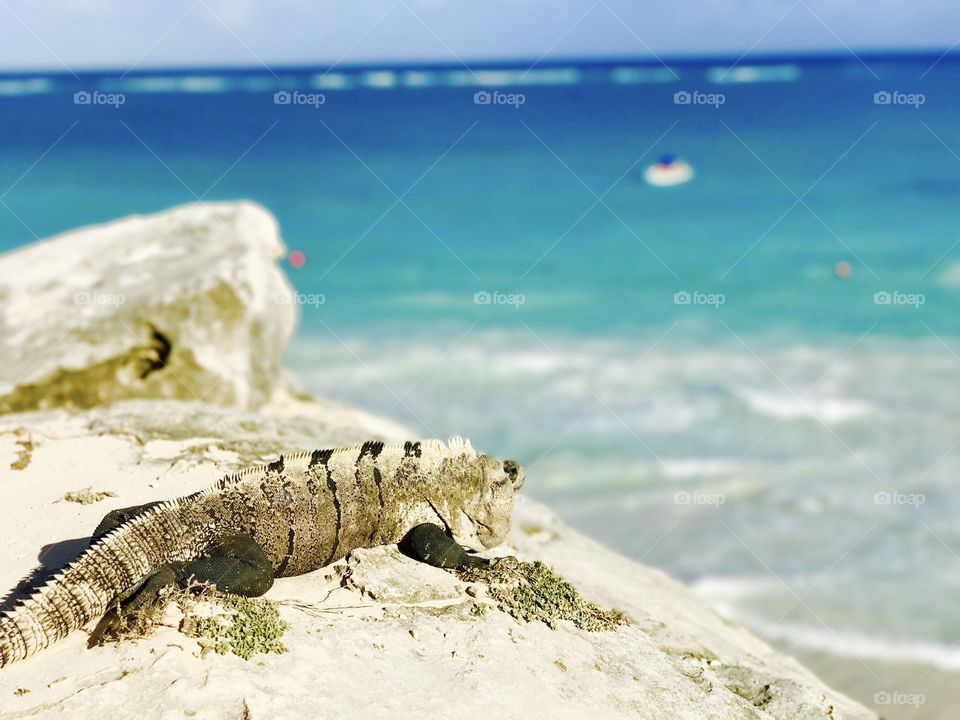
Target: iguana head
<point>478,516</point>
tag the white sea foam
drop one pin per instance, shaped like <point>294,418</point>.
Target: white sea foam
<point>257,83</point>
<point>25,86</point>
<point>725,592</point>
<point>156,84</point>
<point>332,81</point>
<point>379,79</point>
<point>642,75</point>
<point>685,468</point>
<point>418,78</point>
<point>753,74</point>
<point>204,84</point>
<point>728,596</point>
<point>851,644</point>
<point>506,78</point>
<point>170,84</point>
<point>950,276</point>
<point>792,407</point>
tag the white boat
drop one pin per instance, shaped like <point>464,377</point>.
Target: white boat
<point>669,170</point>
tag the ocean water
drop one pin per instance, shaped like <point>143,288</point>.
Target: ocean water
<point>680,369</point>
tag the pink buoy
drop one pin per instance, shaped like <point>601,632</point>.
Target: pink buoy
<point>842,269</point>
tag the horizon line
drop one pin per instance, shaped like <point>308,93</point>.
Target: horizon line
<point>665,59</point>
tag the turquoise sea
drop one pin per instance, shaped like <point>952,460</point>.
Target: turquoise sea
<point>680,368</point>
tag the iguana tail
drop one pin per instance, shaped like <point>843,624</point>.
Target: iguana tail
<point>84,589</point>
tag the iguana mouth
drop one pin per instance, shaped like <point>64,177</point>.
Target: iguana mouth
<point>484,531</point>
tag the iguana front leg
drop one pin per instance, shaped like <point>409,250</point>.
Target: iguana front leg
<point>237,565</point>
<point>430,543</point>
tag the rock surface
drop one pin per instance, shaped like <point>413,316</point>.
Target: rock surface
<point>351,622</point>
<point>88,317</point>
<point>377,634</point>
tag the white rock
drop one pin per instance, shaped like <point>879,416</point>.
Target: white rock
<point>85,316</point>
<point>348,651</point>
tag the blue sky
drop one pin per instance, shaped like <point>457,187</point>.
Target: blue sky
<point>77,34</point>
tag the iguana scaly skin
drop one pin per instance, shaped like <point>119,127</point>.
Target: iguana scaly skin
<point>299,513</point>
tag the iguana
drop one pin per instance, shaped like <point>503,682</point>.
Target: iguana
<point>296,514</point>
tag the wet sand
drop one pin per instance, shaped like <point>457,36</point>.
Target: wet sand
<point>894,690</point>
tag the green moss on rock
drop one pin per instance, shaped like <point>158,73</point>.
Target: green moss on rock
<point>116,378</point>
<point>234,624</point>
<point>25,448</point>
<point>531,591</point>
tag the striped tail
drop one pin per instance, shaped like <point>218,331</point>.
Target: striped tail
<point>84,589</point>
